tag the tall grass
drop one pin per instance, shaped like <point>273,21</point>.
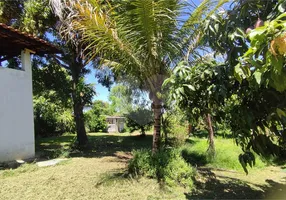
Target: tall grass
<point>226,155</point>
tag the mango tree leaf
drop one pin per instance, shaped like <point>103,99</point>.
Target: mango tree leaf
<point>280,112</point>
<point>190,87</point>
<point>257,76</point>
<point>256,32</point>
<point>238,72</point>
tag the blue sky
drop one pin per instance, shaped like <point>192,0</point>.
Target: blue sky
<point>101,92</point>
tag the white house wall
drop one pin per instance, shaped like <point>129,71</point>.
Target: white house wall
<point>16,112</point>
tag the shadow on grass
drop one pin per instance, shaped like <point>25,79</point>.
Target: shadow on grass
<point>194,158</point>
<point>221,187</point>
<point>109,178</point>
<point>200,134</point>
<point>98,146</point>
<point>204,134</point>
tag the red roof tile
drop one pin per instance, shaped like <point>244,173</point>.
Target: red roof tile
<point>12,41</point>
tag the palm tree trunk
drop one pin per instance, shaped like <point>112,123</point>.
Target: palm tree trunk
<point>157,106</point>
<point>211,147</point>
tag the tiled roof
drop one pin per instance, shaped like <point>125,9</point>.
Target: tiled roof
<point>12,41</point>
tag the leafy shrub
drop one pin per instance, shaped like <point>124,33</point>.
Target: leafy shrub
<point>177,136</point>
<point>95,117</point>
<point>95,123</point>
<point>174,129</point>
<point>50,118</point>
<point>166,165</point>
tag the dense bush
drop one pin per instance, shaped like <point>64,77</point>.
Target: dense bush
<point>95,119</point>
<point>175,129</point>
<point>166,165</point>
<point>95,123</point>
<point>50,118</point>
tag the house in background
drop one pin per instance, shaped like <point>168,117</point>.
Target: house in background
<point>115,124</point>
<point>16,98</point>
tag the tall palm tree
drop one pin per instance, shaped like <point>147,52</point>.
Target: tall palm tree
<point>142,39</point>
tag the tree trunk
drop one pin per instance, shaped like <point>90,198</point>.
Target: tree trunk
<point>211,147</point>
<point>157,106</point>
<point>78,115</point>
<point>190,128</point>
<point>143,134</point>
<point>156,82</point>
<point>79,123</point>
<point>164,129</point>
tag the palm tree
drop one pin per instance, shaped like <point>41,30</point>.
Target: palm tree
<point>142,39</point>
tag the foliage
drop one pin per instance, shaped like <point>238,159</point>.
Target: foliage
<point>253,55</point>
<point>200,89</point>
<point>166,165</point>
<point>141,39</point>
<point>37,17</point>
<point>265,58</point>
<point>132,103</point>
<point>33,16</point>
<point>52,105</point>
<point>10,10</point>
<point>50,117</point>
<point>139,119</point>
<point>121,99</point>
<point>95,117</point>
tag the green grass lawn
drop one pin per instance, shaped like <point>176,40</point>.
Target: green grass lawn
<point>226,156</point>
<point>99,172</point>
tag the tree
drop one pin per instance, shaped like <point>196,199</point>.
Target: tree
<point>139,119</point>
<point>255,55</point>
<point>121,98</point>
<point>142,39</point>
<point>51,98</point>
<point>200,91</point>
<point>96,117</point>
<point>81,92</point>
<point>10,10</point>
<point>124,98</point>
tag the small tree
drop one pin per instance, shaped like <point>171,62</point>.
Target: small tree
<point>139,119</point>
<point>255,54</point>
<point>200,91</point>
<point>95,119</point>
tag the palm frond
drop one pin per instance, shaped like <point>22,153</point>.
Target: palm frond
<point>192,28</point>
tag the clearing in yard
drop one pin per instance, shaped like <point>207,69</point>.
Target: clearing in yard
<point>100,173</point>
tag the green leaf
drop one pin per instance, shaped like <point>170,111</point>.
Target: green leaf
<point>256,32</point>
<point>281,8</point>
<point>237,73</point>
<point>190,87</point>
<point>277,62</point>
<point>280,112</point>
<point>257,76</point>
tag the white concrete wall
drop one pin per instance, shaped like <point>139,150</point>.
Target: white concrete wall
<point>16,112</point>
